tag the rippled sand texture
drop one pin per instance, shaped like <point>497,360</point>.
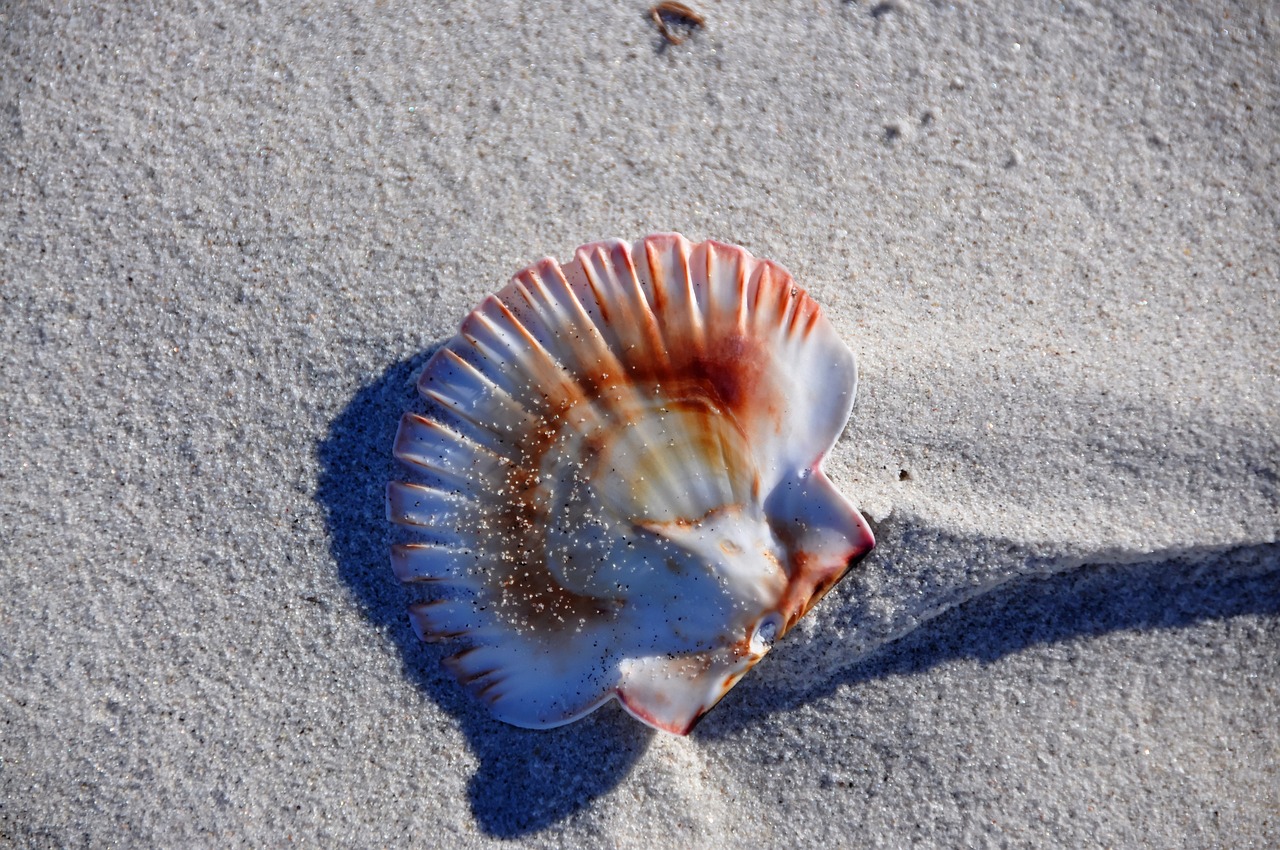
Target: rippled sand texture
<point>233,235</point>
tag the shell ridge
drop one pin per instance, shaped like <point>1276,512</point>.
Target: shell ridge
<point>621,311</point>
<point>432,563</point>
<point>681,473</point>
<point>658,280</point>
<point>526,403</point>
<point>429,447</point>
<point>552,323</point>
<point>496,398</point>
<point>439,384</point>
<point>666,260</point>
<point>646,440</point>
<point>527,687</point>
<point>740,320</point>
<point>489,348</point>
<point>670,256</point>
<point>594,284</point>
<point>653,341</point>
<point>488,336</point>
<point>695,318</point>
<point>799,302</point>
<point>670,280</point>
<point>624,403</point>
<point>563,365</point>
<point>565,393</point>
<point>422,506</point>
<point>599,345</point>
<point>786,314</point>
<point>477,425</point>
<point>581,348</point>
<point>741,266</point>
<point>615,321</point>
<point>761,279</point>
<point>441,619</point>
<point>546,374</point>
<point>728,267</point>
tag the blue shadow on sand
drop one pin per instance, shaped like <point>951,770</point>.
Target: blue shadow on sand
<point>530,780</point>
<point>1078,604</point>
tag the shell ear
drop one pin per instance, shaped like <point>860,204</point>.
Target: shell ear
<point>810,514</point>
<point>672,694</point>
<point>823,534</point>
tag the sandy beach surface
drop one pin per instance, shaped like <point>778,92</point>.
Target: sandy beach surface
<point>230,233</point>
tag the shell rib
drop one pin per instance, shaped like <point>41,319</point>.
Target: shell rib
<point>618,484</point>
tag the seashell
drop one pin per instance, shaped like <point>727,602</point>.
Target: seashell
<point>618,480</point>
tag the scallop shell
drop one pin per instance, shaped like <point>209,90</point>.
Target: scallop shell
<point>618,481</point>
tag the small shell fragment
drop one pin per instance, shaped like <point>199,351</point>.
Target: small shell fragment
<point>678,11</point>
<point>617,486</point>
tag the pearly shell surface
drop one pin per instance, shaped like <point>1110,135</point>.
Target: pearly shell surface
<point>617,484</point>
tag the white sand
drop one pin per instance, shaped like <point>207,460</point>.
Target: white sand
<point>1048,231</point>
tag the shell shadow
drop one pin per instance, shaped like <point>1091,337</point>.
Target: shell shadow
<point>527,780</point>
<point>1077,603</point>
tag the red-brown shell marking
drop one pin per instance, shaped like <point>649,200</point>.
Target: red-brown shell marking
<point>618,480</point>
